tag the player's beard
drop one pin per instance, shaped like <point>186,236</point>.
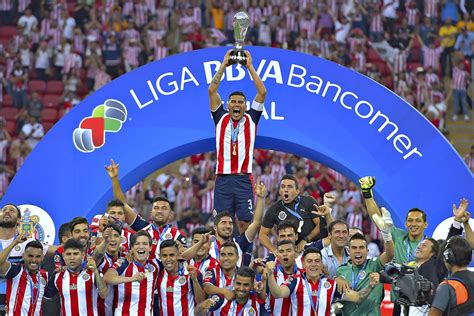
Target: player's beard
<point>8,224</point>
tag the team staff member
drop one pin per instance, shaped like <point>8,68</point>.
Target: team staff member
<point>294,207</point>
<point>455,295</point>
<point>236,130</point>
<point>160,229</point>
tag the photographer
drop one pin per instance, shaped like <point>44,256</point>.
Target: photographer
<point>455,295</point>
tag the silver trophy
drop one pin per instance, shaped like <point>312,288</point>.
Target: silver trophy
<point>241,24</point>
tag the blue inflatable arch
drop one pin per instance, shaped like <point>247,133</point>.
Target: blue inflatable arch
<point>315,108</point>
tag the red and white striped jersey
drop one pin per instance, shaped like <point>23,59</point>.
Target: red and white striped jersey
<point>268,180</point>
<point>280,306</point>
<point>309,26</point>
<point>77,292</point>
<point>25,291</point>
<point>236,157</point>
<point>376,25</point>
<point>135,298</point>
<point>354,220</point>
<point>207,202</point>
<point>460,79</point>
<point>281,35</point>
<point>305,295</point>
<point>176,294</point>
<point>224,307</point>
<point>431,57</point>
<point>400,61</point>
<point>105,306</point>
<point>208,263</point>
<point>411,16</point>
<point>160,52</point>
<point>158,234</point>
<point>78,43</point>
<point>375,232</point>
<point>185,46</point>
<point>431,8</point>
<point>217,277</point>
<point>130,54</point>
<point>141,14</point>
<point>4,182</point>
<point>6,5</point>
<point>22,5</point>
<point>291,22</point>
<point>255,14</point>
<point>129,34</point>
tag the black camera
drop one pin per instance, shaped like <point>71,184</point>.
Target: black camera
<point>409,286</point>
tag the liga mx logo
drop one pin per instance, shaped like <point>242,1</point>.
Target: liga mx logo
<point>107,117</point>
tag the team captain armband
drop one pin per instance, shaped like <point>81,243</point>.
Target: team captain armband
<point>257,106</point>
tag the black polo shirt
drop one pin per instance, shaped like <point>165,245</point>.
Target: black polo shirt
<point>278,212</point>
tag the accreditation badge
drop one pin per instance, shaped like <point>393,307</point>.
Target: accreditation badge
<point>362,274</point>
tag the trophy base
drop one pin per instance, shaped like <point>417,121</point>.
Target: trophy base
<point>237,56</point>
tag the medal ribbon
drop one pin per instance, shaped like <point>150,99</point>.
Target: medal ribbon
<point>146,268</point>
<point>34,297</point>
<point>163,233</point>
<point>410,250</point>
<point>234,131</point>
<point>234,308</point>
<point>314,306</point>
<point>216,248</point>
<point>355,281</point>
<point>294,213</point>
<point>224,279</point>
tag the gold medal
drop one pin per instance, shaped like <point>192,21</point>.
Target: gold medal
<point>234,152</point>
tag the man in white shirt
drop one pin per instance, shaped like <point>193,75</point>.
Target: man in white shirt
<point>34,131</point>
<point>28,21</point>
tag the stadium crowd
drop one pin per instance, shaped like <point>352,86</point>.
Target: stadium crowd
<point>313,235</point>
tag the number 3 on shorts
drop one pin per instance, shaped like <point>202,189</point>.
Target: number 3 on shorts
<point>250,204</point>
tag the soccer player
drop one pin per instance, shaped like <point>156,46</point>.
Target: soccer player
<point>310,292</point>
<point>236,130</point>
<point>285,270</point>
<point>26,282</point>
<point>203,260</point>
<point>356,272</point>
<point>79,284</point>
<point>113,213</point>
<point>220,280</point>
<point>245,302</point>
<point>160,229</point>
<point>137,279</point>
<point>224,228</point>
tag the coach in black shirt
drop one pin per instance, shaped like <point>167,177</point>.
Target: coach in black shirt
<point>293,207</point>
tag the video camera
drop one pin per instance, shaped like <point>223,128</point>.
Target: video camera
<point>409,286</point>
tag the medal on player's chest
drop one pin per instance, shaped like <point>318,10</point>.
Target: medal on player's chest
<point>234,151</point>
<point>182,280</point>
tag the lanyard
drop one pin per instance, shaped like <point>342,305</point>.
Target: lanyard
<point>234,131</point>
<point>294,213</point>
<point>138,264</point>
<point>280,268</point>
<point>216,248</point>
<point>224,279</point>
<point>234,308</point>
<point>34,298</point>
<point>409,249</point>
<point>314,306</point>
<point>162,234</point>
<point>355,281</point>
<point>78,269</point>
<point>202,262</point>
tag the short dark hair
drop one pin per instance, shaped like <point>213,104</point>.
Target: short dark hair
<point>246,272</point>
<point>334,223</point>
<point>461,249</point>
<point>34,244</point>
<point>73,244</point>
<point>309,250</point>
<point>415,209</point>
<point>162,199</point>
<point>64,229</point>
<point>290,177</point>
<point>18,212</point>
<point>285,225</point>
<point>285,242</point>
<point>238,93</point>
<point>232,245</point>
<point>134,237</point>
<point>199,231</point>
<point>358,237</point>
<point>169,243</point>
<point>114,203</point>
<point>76,221</point>
<point>220,215</point>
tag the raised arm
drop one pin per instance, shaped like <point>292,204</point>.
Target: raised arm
<point>261,192</point>
<point>112,171</point>
<point>99,251</point>
<point>191,252</point>
<point>199,293</point>
<point>4,264</point>
<point>264,237</point>
<point>261,90</point>
<point>278,291</point>
<point>385,224</point>
<point>99,282</point>
<point>214,97</point>
<point>111,277</point>
<point>366,185</point>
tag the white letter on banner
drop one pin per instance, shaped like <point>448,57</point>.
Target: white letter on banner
<point>317,84</point>
<point>173,84</point>
<point>230,73</point>
<point>274,116</point>
<point>300,76</point>
<point>275,66</point>
<point>208,71</point>
<point>190,78</point>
